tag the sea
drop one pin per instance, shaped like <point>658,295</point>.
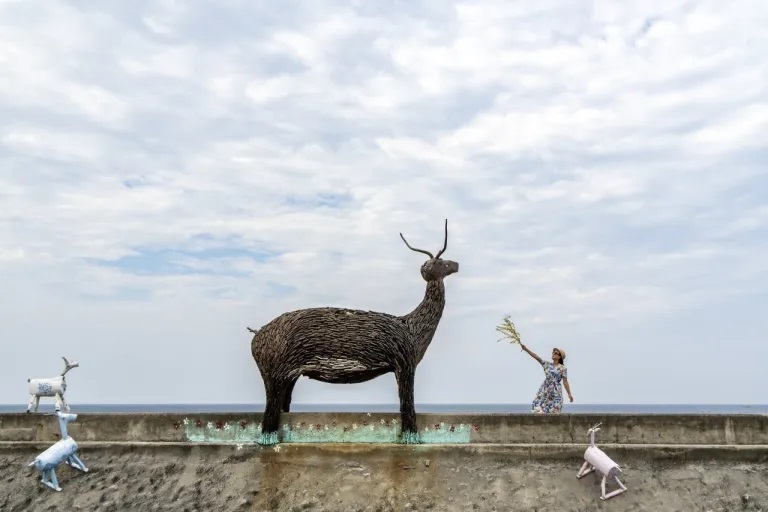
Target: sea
<point>394,408</point>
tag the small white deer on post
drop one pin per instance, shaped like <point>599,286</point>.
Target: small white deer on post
<point>50,387</point>
<point>596,459</point>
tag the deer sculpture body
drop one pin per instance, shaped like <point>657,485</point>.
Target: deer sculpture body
<point>64,450</point>
<point>596,459</point>
<point>50,387</point>
<point>348,346</point>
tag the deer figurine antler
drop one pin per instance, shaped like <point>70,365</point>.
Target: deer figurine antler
<point>68,366</point>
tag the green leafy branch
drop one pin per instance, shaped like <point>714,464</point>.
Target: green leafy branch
<point>508,329</point>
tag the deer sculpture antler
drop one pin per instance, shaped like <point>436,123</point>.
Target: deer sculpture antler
<point>68,366</point>
<point>445,245</point>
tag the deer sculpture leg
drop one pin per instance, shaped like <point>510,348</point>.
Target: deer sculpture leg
<point>275,391</point>
<point>288,394</point>
<point>49,479</point>
<point>61,402</point>
<point>409,431</point>
<point>75,462</point>
<point>34,400</point>
<point>64,403</point>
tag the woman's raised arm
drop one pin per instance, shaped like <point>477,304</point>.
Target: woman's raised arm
<point>531,354</point>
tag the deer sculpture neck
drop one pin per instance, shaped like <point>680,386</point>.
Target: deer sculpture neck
<point>423,320</point>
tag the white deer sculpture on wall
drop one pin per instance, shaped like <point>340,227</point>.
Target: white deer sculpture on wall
<point>50,387</point>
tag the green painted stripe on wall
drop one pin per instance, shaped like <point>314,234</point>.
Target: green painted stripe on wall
<point>241,432</point>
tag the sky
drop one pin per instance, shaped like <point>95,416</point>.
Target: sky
<point>174,172</point>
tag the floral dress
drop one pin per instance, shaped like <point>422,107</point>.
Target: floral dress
<point>549,398</point>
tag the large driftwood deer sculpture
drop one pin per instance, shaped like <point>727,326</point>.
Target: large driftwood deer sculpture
<point>348,346</point>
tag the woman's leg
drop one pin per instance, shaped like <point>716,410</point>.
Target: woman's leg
<point>539,401</point>
<point>557,402</point>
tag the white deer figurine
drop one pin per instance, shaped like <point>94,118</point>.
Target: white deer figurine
<point>596,459</point>
<point>64,450</point>
<point>50,387</point>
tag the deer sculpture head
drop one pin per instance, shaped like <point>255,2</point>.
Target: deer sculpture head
<point>435,268</point>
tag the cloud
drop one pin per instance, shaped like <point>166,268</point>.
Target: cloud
<point>173,173</point>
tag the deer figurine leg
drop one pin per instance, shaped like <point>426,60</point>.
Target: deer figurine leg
<point>271,421</point>
<point>61,402</point>
<point>49,479</point>
<point>75,462</point>
<point>33,400</point>
<point>409,431</point>
<point>586,469</point>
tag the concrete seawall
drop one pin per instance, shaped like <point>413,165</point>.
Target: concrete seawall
<point>338,462</point>
<point>632,429</point>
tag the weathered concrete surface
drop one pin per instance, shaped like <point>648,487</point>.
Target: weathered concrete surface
<point>369,477</point>
<point>377,427</point>
<point>491,462</point>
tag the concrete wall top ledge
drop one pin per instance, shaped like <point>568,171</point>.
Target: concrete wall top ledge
<point>511,415</point>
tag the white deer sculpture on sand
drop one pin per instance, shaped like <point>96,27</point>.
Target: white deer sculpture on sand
<point>64,450</point>
<point>595,459</point>
<point>50,387</point>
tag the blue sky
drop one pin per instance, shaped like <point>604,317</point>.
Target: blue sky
<point>171,173</point>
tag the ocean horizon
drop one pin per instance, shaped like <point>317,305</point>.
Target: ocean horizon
<point>394,408</point>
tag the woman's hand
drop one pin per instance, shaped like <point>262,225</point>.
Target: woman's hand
<point>570,397</point>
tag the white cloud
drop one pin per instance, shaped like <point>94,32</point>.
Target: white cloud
<point>601,167</point>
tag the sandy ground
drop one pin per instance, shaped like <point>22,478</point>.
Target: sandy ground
<point>223,479</point>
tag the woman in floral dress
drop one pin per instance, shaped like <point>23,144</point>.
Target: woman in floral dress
<point>549,399</point>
